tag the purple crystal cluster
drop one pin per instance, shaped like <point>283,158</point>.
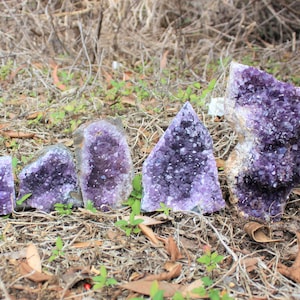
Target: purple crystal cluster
<point>7,189</point>
<point>265,165</point>
<point>181,170</point>
<point>104,164</point>
<point>51,179</point>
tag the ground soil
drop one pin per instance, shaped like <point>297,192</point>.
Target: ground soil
<point>64,63</point>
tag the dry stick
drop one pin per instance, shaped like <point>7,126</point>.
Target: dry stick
<point>98,34</point>
<point>234,256</point>
<point>50,19</point>
<point>87,57</point>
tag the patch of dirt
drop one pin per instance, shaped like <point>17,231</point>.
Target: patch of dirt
<point>64,63</point>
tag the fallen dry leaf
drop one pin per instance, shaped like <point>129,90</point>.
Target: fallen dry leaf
<point>32,274</point>
<point>89,244</point>
<point>148,232</point>
<point>187,290</point>
<point>296,191</point>
<point>250,263</point>
<point>258,232</point>
<point>175,272</point>
<point>35,115</point>
<point>33,258</point>
<point>56,80</point>
<point>17,134</point>
<point>220,163</point>
<point>172,249</point>
<point>164,60</point>
<point>292,272</point>
<point>144,286</point>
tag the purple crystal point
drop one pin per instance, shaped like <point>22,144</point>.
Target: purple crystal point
<point>51,179</point>
<point>7,189</point>
<point>265,164</point>
<point>104,164</point>
<point>181,170</point>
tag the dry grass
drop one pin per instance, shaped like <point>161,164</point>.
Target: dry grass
<point>82,39</point>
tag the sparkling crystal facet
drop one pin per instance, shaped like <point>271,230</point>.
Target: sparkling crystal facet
<point>7,189</point>
<point>265,164</point>
<point>181,170</point>
<point>104,164</point>
<point>51,178</point>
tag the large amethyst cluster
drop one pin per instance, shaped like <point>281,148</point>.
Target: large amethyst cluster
<point>51,179</point>
<point>181,171</point>
<point>265,165</point>
<point>104,164</point>
<point>7,188</point>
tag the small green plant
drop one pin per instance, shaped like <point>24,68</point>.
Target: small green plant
<point>134,202</point>
<point>57,117</point>
<point>137,191</point>
<point>90,206</point>
<point>65,77</point>
<point>6,69</point>
<point>63,209</point>
<point>164,208</point>
<point>131,225</point>
<point>102,280</point>
<point>23,199</point>
<point>58,250</point>
<point>210,260</point>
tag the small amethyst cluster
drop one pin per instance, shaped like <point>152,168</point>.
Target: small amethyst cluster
<point>104,164</point>
<point>265,165</point>
<point>181,171</point>
<point>7,188</point>
<point>51,179</point>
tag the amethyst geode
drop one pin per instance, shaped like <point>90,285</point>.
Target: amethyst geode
<point>7,188</point>
<point>181,170</point>
<point>51,179</point>
<point>104,164</point>
<point>265,164</point>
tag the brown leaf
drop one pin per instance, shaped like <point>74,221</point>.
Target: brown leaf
<point>33,258</point>
<point>144,286</point>
<point>89,244</point>
<point>175,272</point>
<point>33,275</point>
<point>187,290</point>
<point>164,60</point>
<point>148,232</point>
<point>56,80</point>
<point>296,191</point>
<point>35,115</point>
<point>250,263</point>
<point>172,249</point>
<point>258,232</point>
<point>292,272</point>
<point>17,134</point>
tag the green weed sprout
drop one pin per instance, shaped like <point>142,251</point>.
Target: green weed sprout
<point>134,201</point>
<point>102,280</point>
<point>165,209</point>
<point>58,250</point>
<point>210,260</point>
<point>89,205</point>
<point>63,209</point>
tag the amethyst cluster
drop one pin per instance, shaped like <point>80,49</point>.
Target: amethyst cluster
<point>51,179</point>
<point>181,170</point>
<point>265,164</point>
<point>7,188</point>
<point>104,164</point>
